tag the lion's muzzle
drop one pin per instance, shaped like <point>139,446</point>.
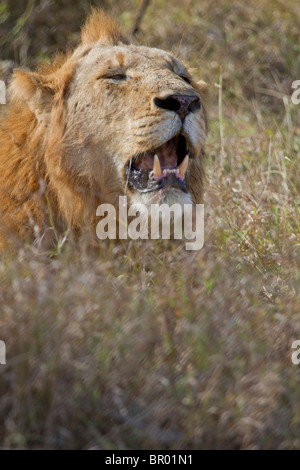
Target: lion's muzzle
<point>160,167</point>
<point>180,104</point>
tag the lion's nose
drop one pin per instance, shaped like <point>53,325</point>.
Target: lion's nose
<point>180,104</point>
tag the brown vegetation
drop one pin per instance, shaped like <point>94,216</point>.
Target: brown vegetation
<point>147,345</point>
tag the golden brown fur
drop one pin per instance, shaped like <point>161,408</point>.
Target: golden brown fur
<point>68,131</point>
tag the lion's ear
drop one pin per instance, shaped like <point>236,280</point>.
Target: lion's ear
<point>99,27</point>
<point>29,86</point>
<point>203,89</point>
<point>33,89</point>
<point>39,89</point>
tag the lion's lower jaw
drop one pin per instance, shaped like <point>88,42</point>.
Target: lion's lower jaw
<point>148,207</point>
<point>170,196</point>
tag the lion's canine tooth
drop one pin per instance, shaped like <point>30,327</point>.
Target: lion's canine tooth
<point>165,172</point>
<point>183,166</point>
<point>156,166</point>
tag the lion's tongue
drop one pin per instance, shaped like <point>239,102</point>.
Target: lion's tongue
<point>167,157</point>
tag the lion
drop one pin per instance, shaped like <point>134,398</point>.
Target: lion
<point>107,119</point>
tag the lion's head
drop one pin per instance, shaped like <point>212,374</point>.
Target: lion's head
<point>113,118</point>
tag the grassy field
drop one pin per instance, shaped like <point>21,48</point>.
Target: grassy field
<point>147,345</point>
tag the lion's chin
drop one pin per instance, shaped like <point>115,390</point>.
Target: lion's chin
<point>168,196</point>
<point>160,169</point>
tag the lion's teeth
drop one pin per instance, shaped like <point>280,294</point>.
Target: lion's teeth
<point>183,166</point>
<point>156,166</point>
<point>168,171</point>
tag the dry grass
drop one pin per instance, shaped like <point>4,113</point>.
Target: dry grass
<point>147,345</point>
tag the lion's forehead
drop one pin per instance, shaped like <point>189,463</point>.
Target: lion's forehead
<point>138,57</point>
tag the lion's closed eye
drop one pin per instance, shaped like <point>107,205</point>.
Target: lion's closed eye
<point>186,79</point>
<point>113,76</point>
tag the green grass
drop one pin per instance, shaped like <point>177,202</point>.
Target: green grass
<point>146,345</point>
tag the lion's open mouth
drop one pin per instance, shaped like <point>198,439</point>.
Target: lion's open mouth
<point>161,167</point>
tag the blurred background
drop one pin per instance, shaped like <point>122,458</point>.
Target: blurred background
<point>255,43</point>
